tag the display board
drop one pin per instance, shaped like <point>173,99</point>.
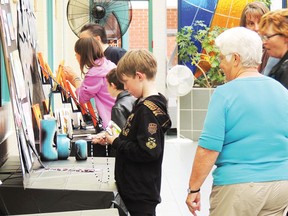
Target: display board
<point>18,78</point>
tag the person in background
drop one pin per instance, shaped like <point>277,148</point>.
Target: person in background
<point>90,56</point>
<point>122,107</point>
<point>124,100</point>
<point>273,28</point>
<point>250,19</point>
<point>245,135</point>
<point>97,31</point>
<point>140,145</point>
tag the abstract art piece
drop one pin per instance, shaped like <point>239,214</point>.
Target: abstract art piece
<point>227,13</point>
<point>224,13</point>
<point>192,10</point>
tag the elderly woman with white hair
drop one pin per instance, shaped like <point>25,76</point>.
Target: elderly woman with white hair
<point>245,135</point>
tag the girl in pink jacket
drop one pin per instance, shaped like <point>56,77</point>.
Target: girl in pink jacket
<point>94,66</point>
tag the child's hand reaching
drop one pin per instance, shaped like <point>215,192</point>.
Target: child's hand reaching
<point>71,76</point>
<point>111,135</point>
<point>99,138</point>
<point>108,136</point>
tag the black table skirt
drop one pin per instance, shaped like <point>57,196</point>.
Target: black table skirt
<point>54,189</point>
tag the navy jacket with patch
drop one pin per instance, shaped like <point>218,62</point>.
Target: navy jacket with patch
<point>140,148</point>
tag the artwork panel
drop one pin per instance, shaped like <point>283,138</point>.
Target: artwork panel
<point>187,14</point>
<point>18,75</point>
<point>233,22</point>
<point>11,27</point>
<point>220,20</point>
<point>231,10</point>
<point>207,5</point>
<point>26,159</point>
<point>205,16</point>
<point>26,107</point>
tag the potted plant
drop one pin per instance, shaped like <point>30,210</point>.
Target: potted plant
<point>196,47</point>
<point>196,50</point>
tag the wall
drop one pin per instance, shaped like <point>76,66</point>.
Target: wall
<point>138,30</point>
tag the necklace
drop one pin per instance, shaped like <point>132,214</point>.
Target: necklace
<point>102,176</point>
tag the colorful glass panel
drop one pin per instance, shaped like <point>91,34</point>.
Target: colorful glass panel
<point>224,13</point>
<point>227,13</point>
<point>191,10</point>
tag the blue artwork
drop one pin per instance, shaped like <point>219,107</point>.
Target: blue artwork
<point>191,10</point>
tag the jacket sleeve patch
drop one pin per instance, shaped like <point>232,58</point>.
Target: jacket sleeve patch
<point>151,143</point>
<point>152,128</point>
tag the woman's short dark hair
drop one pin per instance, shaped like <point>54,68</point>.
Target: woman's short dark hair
<point>96,30</point>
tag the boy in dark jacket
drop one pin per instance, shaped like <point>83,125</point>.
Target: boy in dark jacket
<point>124,100</point>
<point>121,109</point>
<point>140,145</point>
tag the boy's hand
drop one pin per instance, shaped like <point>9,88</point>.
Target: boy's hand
<point>99,138</point>
<point>110,137</point>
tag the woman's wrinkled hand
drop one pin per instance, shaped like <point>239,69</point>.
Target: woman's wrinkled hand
<point>193,202</point>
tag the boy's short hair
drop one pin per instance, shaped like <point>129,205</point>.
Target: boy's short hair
<point>111,77</point>
<point>137,60</point>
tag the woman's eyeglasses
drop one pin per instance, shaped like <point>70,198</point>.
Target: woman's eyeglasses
<point>267,37</point>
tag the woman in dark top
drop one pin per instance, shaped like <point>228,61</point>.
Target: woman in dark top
<point>274,30</point>
<point>250,19</point>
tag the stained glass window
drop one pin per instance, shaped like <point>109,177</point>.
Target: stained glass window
<point>224,13</point>
<point>191,10</point>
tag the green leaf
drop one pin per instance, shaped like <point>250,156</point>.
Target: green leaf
<point>187,38</point>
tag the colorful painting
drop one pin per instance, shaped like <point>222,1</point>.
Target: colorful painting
<point>227,13</point>
<point>223,13</point>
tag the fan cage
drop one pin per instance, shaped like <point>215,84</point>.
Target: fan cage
<point>115,16</point>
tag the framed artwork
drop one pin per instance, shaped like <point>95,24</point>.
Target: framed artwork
<point>37,115</point>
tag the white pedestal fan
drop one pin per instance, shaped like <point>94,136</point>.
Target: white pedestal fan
<point>180,81</point>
